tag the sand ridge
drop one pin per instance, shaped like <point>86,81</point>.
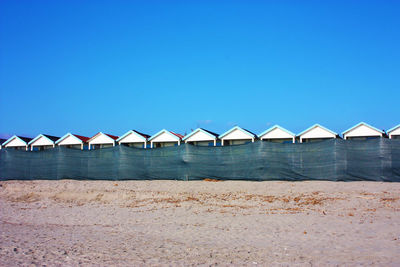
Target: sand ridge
<point>199,223</point>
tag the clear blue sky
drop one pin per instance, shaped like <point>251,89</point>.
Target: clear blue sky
<point>111,66</point>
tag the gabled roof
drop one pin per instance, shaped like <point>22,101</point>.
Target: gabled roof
<point>176,134</point>
<point>112,136</point>
<point>83,138</point>
<point>109,135</point>
<point>209,133</point>
<point>274,127</point>
<point>166,131</point>
<point>314,126</point>
<point>392,129</point>
<point>24,139</point>
<point>362,123</point>
<point>142,135</point>
<point>237,128</point>
<point>212,133</point>
<point>49,137</point>
<point>52,137</point>
<point>80,137</point>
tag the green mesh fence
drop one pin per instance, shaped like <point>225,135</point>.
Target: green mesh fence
<point>334,160</point>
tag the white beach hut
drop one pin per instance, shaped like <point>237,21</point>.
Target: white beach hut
<point>101,140</point>
<point>316,133</point>
<point>362,131</point>
<point>277,134</point>
<point>17,142</point>
<point>134,138</point>
<point>237,136</point>
<point>201,137</point>
<point>73,141</point>
<point>165,138</point>
<point>43,142</point>
<point>394,133</point>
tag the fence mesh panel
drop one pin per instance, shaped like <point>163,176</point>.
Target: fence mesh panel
<point>334,160</point>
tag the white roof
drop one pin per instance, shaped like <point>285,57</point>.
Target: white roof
<point>69,139</point>
<point>15,141</point>
<point>200,135</point>
<point>41,140</point>
<point>317,131</point>
<point>101,138</point>
<point>394,131</point>
<point>276,132</point>
<point>362,129</point>
<point>237,133</point>
<point>132,137</point>
<point>164,136</point>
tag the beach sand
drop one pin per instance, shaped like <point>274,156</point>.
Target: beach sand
<point>125,223</point>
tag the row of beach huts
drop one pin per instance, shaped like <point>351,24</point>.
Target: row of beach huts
<point>199,137</point>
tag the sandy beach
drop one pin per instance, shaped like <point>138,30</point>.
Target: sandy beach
<point>152,223</point>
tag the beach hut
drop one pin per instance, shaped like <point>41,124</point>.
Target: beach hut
<point>1,142</point>
<point>73,141</point>
<point>165,138</point>
<point>134,138</point>
<point>316,133</point>
<point>362,131</point>
<point>201,137</point>
<point>17,142</point>
<point>101,140</point>
<point>43,142</point>
<point>237,136</point>
<point>394,133</point>
<point>277,134</point>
